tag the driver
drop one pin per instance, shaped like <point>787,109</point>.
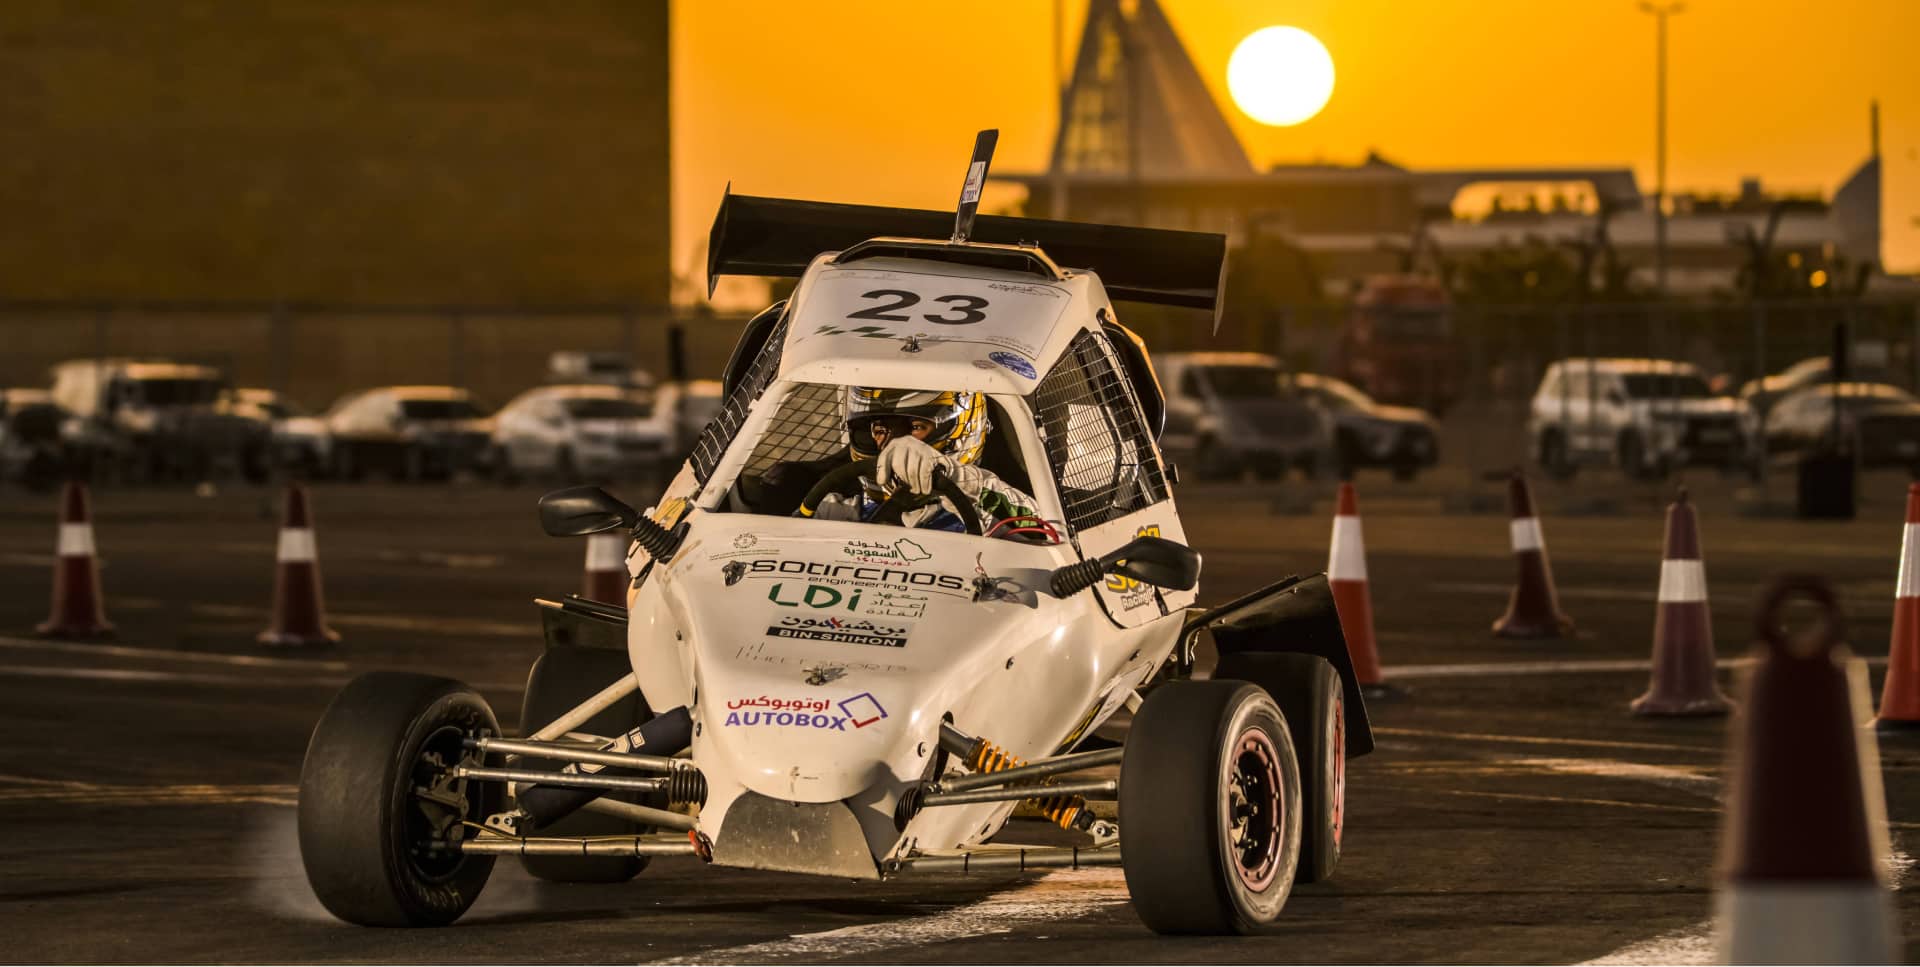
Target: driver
<point>910,434</point>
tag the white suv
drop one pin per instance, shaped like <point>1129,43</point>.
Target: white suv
<point>1646,416</point>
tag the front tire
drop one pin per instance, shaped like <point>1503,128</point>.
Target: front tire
<point>1209,809</point>
<point>561,679</point>
<point>369,842</point>
<point>1310,695</point>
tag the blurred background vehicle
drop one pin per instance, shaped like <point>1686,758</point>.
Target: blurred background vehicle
<point>1367,433</point>
<point>156,420</point>
<point>1879,424</point>
<point>1398,344</point>
<point>682,408</point>
<point>579,430</point>
<point>300,440</point>
<point>408,433</point>
<point>30,447</point>
<point>1229,413</point>
<point>590,366</point>
<point>1645,416</point>
<point>1761,394</point>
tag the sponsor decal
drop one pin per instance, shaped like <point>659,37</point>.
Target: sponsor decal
<point>1014,363</point>
<point>860,575</point>
<point>858,711</point>
<point>902,551</point>
<point>817,596</point>
<point>742,545</point>
<point>1132,593</point>
<point>896,604</point>
<point>757,652</point>
<point>845,631</point>
<point>744,541</point>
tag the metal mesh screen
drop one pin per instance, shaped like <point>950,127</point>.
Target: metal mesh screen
<point>720,432</point>
<point>1099,451</point>
<point>808,426</point>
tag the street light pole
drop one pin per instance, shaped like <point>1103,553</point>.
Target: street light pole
<point>1661,12</point>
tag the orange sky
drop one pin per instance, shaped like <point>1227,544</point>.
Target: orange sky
<point>875,101</point>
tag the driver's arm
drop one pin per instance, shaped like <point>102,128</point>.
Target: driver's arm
<point>912,463</point>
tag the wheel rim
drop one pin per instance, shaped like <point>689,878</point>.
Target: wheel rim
<point>1256,817</point>
<point>437,805</point>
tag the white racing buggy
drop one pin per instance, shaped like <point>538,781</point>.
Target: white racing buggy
<point>855,698</point>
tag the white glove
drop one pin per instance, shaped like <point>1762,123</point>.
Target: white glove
<point>912,462</point>
<point>836,507</point>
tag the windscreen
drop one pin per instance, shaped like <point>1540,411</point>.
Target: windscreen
<point>179,392</point>
<point>438,410</point>
<point>1682,386</point>
<point>602,408</point>
<point>1244,382</point>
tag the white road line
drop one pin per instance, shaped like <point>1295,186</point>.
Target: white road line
<point>1739,592</point>
<point>169,654</point>
<point>1546,740</point>
<point>1061,895</point>
<point>1590,666</point>
<point>29,789</point>
<point>165,677</point>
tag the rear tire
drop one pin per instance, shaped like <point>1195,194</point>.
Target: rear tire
<point>1554,458</point>
<point>561,679</point>
<point>1310,695</point>
<point>364,834</point>
<point>1209,809</point>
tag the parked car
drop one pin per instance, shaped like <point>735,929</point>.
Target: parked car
<point>408,432</point>
<point>1646,416</point>
<point>156,419</point>
<point>580,429</point>
<point>1878,422</point>
<point>1366,433</point>
<point>588,366</point>
<point>31,451</point>
<point>300,440</point>
<point>1228,413</point>
<point>682,409</point>
<point>1761,394</point>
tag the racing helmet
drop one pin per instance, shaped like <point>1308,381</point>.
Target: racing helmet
<point>959,419</point>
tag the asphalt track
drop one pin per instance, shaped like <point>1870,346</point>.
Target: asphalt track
<point>1514,812</point>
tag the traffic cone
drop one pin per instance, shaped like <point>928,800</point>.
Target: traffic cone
<point>1347,576</point>
<point>79,608</point>
<point>1534,610</point>
<point>1900,697</point>
<point>1800,881</point>
<point>606,578</point>
<point>1683,667</point>
<point>299,615</point>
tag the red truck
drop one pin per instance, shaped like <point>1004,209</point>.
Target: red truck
<point>1398,343</point>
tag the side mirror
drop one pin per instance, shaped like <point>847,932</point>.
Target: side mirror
<point>1149,560</point>
<point>578,511</point>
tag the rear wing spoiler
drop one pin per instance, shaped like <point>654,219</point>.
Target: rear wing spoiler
<point>779,237</point>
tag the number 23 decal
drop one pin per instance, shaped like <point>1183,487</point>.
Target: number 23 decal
<point>967,306</point>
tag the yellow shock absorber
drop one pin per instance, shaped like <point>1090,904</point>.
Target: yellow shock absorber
<point>1064,811</point>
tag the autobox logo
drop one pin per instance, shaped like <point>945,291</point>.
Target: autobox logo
<point>846,631</point>
<point>859,711</point>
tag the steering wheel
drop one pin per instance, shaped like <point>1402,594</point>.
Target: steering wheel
<point>890,511</point>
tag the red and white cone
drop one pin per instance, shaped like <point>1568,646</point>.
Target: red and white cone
<point>1683,663</point>
<point>1534,609</point>
<point>1347,576</point>
<point>1900,697</point>
<point>1800,880</point>
<point>606,576</point>
<point>79,608</point>
<point>299,612</point>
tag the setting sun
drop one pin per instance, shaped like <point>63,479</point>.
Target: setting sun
<point>1280,76</point>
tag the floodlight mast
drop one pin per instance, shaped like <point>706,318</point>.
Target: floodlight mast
<point>976,179</point>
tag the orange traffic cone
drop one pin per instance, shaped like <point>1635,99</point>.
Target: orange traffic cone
<point>606,578</point>
<point>1534,610</point>
<point>299,614</point>
<point>1900,698</point>
<point>1800,881</point>
<point>1683,667</point>
<point>1347,575</point>
<point>79,608</point>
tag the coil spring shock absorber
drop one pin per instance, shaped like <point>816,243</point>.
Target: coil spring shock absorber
<point>1068,812</point>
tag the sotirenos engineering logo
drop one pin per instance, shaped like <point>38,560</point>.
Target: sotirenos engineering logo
<point>858,711</point>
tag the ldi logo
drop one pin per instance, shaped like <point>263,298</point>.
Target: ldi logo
<point>816,596</point>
